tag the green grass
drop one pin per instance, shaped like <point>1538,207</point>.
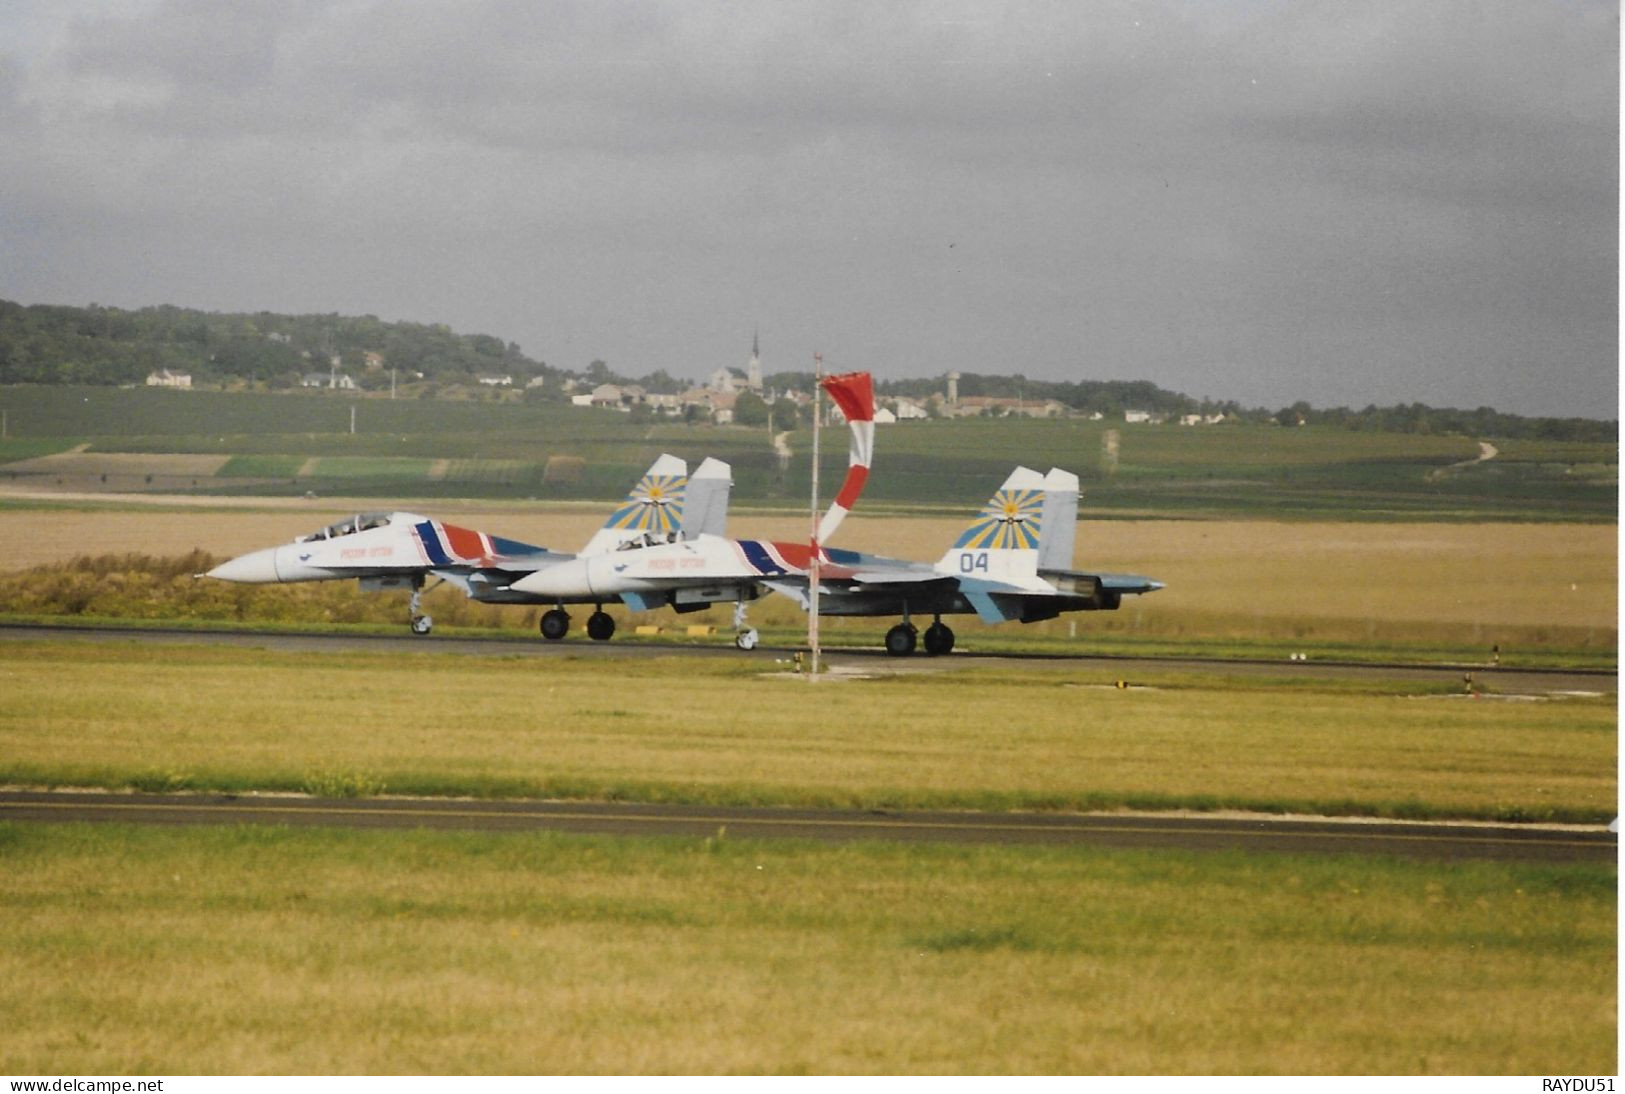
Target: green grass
<point>261,467</point>
<point>385,468</point>
<point>1204,471</point>
<point>502,472</point>
<point>130,950</point>
<point>748,732</point>
<point>28,448</point>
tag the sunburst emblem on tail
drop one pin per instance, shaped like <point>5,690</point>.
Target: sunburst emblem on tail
<point>1009,522</point>
<point>654,505</point>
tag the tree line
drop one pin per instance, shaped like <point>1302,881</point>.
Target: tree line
<point>59,344</point>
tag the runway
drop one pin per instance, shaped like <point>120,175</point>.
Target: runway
<point>1117,830</point>
<point>855,661</point>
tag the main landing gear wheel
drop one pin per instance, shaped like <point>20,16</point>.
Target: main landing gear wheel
<point>939,639</point>
<point>900,640</point>
<point>555,624</point>
<point>746,639</point>
<point>422,624</point>
<point>600,626</point>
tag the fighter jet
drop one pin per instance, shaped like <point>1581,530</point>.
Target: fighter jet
<point>1013,562</point>
<point>400,550</point>
<point>706,569</point>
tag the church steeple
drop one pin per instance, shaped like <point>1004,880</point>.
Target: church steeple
<point>753,371</point>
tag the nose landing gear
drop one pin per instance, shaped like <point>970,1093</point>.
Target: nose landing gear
<point>744,637</point>
<point>421,624</point>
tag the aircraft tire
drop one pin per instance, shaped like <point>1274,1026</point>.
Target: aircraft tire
<point>422,624</point>
<point>747,638</point>
<point>939,639</point>
<point>600,626</point>
<point>555,624</point>
<point>900,640</point>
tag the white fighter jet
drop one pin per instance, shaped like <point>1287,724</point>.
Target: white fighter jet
<point>399,550</point>
<point>710,568</point>
<point>1013,562</point>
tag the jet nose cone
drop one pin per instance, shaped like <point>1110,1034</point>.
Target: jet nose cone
<point>563,580</point>
<point>254,568</point>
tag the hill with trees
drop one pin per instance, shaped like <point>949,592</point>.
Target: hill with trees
<point>57,344</point>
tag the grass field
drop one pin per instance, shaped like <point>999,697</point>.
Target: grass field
<point>749,732</point>
<point>127,950</point>
<point>504,448</point>
<point>175,951</point>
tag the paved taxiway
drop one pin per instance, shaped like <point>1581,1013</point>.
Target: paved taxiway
<point>1146,831</point>
<point>1188,832</point>
<point>860,661</point>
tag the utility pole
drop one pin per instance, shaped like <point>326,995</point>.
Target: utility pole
<point>813,567</point>
<point>352,421</point>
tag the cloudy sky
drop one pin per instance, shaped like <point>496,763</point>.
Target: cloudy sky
<point>1265,200</point>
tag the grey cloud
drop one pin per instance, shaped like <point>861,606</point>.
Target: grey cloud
<point>1260,199</point>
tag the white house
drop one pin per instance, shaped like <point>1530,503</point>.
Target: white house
<point>1132,416</point>
<point>165,378</point>
<point>727,380</point>
<point>337,380</point>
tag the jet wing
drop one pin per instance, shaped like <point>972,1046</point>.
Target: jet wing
<point>527,563</point>
<point>1117,583</point>
<point>919,575</point>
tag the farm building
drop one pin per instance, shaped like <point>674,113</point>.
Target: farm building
<point>165,378</point>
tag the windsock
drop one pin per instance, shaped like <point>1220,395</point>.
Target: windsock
<point>854,393</point>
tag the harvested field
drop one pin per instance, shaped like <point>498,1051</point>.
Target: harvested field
<point>107,471</point>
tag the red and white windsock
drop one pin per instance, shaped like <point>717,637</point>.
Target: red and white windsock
<point>854,393</point>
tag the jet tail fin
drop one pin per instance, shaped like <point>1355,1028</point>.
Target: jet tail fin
<point>653,508</point>
<point>1002,543</point>
<point>1058,521</point>
<point>705,506</point>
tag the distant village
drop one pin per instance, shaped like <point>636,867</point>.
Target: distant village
<point>716,400</point>
<point>177,348</point>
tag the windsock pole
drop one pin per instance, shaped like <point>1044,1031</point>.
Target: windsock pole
<point>813,567</point>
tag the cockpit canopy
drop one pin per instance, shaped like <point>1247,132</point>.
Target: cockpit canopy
<point>361,522</point>
<point>648,539</point>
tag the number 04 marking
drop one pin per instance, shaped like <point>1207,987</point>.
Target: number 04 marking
<point>971,561</point>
